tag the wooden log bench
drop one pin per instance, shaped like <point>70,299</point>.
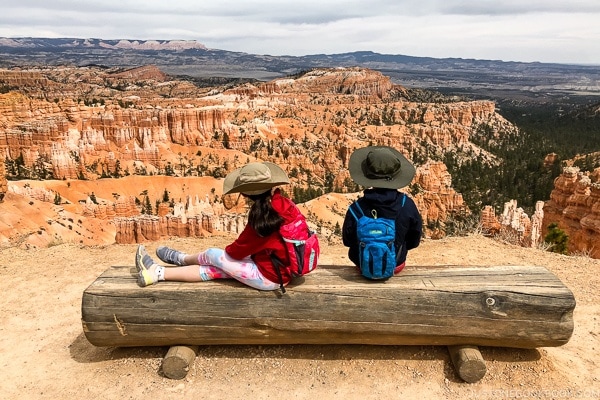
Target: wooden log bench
<point>456,306</point>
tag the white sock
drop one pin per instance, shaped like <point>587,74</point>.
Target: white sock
<point>160,272</point>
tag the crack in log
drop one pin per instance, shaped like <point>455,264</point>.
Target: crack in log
<point>120,325</point>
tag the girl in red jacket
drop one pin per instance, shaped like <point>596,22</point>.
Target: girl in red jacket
<point>248,258</point>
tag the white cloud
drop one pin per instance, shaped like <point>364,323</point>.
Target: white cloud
<point>512,30</point>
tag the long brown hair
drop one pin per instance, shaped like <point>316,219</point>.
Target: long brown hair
<point>262,217</point>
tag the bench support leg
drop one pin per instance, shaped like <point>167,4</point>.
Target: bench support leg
<point>178,360</point>
<point>468,362</point>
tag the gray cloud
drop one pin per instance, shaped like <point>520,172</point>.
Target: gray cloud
<point>536,30</point>
<point>515,7</point>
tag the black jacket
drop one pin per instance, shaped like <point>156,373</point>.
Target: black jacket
<point>388,204</point>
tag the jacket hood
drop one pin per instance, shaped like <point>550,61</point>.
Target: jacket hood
<point>386,199</point>
<point>284,206</point>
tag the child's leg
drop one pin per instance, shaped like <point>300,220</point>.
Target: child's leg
<point>193,267</point>
<point>192,259</point>
<point>212,264</point>
<point>216,263</point>
<point>193,273</point>
<point>176,257</point>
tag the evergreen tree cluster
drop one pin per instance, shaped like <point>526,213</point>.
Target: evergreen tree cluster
<point>520,173</point>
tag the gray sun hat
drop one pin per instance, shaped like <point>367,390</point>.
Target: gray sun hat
<point>255,178</point>
<point>380,167</point>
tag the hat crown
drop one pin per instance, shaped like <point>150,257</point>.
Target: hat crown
<point>380,167</point>
<point>254,173</point>
<point>254,178</point>
<point>381,164</point>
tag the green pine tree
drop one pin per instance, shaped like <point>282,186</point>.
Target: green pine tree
<point>557,238</point>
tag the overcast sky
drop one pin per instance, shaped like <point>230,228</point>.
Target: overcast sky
<point>563,31</point>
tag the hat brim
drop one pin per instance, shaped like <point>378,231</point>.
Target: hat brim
<point>355,167</point>
<point>278,177</point>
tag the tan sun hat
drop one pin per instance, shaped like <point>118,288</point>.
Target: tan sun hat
<point>255,178</point>
<point>380,167</point>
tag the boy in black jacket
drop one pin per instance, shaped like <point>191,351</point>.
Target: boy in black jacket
<point>382,170</point>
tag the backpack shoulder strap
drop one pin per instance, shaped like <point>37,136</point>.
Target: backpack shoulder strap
<point>358,210</point>
<point>403,199</point>
<point>277,264</point>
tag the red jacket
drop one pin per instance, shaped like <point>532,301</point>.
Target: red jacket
<point>249,243</point>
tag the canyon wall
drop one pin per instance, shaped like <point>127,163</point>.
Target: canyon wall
<point>575,206</point>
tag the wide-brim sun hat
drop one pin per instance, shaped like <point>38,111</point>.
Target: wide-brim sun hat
<point>255,178</point>
<point>380,167</point>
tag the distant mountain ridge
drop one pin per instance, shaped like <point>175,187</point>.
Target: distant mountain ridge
<point>357,57</point>
<point>194,59</point>
<point>49,43</point>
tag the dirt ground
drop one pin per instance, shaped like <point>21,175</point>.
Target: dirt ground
<point>45,355</point>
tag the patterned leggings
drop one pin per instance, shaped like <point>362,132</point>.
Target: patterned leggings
<point>222,266</point>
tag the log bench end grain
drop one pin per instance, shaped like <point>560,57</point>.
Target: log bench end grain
<point>177,362</point>
<point>468,362</point>
<point>464,306</point>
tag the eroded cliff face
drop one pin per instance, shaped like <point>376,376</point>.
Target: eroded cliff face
<point>193,218</point>
<point>435,198</point>
<point>89,123</point>
<point>575,206</point>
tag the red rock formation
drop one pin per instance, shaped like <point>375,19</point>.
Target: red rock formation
<point>16,78</point>
<point>489,223</point>
<point>514,225</point>
<point>537,223</point>
<point>575,206</point>
<point>142,73</point>
<point>152,228</point>
<point>124,206</point>
<point>340,81</point>
<point>435,198</point>
<point>36,193</point>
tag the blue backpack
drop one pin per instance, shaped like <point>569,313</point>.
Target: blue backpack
<point>376,236</point>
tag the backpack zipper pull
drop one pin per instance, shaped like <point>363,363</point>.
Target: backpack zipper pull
<point>374,214</point>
